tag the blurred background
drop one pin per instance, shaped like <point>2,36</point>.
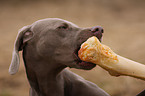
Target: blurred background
<point>122,20</point>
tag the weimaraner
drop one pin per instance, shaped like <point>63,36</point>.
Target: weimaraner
<point>49,46</point>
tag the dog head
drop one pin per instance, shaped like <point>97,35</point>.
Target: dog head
<point>53,40</point>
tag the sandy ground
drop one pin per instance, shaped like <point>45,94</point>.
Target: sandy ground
<point>122,20</point>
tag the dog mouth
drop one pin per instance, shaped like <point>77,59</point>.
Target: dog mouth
<point>83,64</point>
<point>96,31</point>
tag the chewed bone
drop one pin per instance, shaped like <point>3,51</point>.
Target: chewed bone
<point>93,51</point>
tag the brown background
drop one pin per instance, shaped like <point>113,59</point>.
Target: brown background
<point>122,20</point>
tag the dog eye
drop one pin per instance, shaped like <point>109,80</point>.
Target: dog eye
<point>64,26</point>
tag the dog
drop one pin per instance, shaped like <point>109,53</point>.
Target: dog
<point>49,46</point>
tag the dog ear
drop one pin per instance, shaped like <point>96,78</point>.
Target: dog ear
<point>23,36</point>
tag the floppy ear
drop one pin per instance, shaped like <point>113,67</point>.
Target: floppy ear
<point>23,36</point>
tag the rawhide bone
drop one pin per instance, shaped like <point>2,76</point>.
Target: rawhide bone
<point>93,51</point>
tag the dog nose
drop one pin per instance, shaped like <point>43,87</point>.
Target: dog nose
<point>97,31</point>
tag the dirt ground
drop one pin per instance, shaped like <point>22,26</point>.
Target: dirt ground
<point>122,20</point>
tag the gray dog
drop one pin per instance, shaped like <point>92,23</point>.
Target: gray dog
<point>49,46</point>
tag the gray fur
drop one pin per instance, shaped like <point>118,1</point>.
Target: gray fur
<point>49,46</point>
<point>14,66</point>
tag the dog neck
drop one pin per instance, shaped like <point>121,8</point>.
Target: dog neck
<point>44,78</point>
